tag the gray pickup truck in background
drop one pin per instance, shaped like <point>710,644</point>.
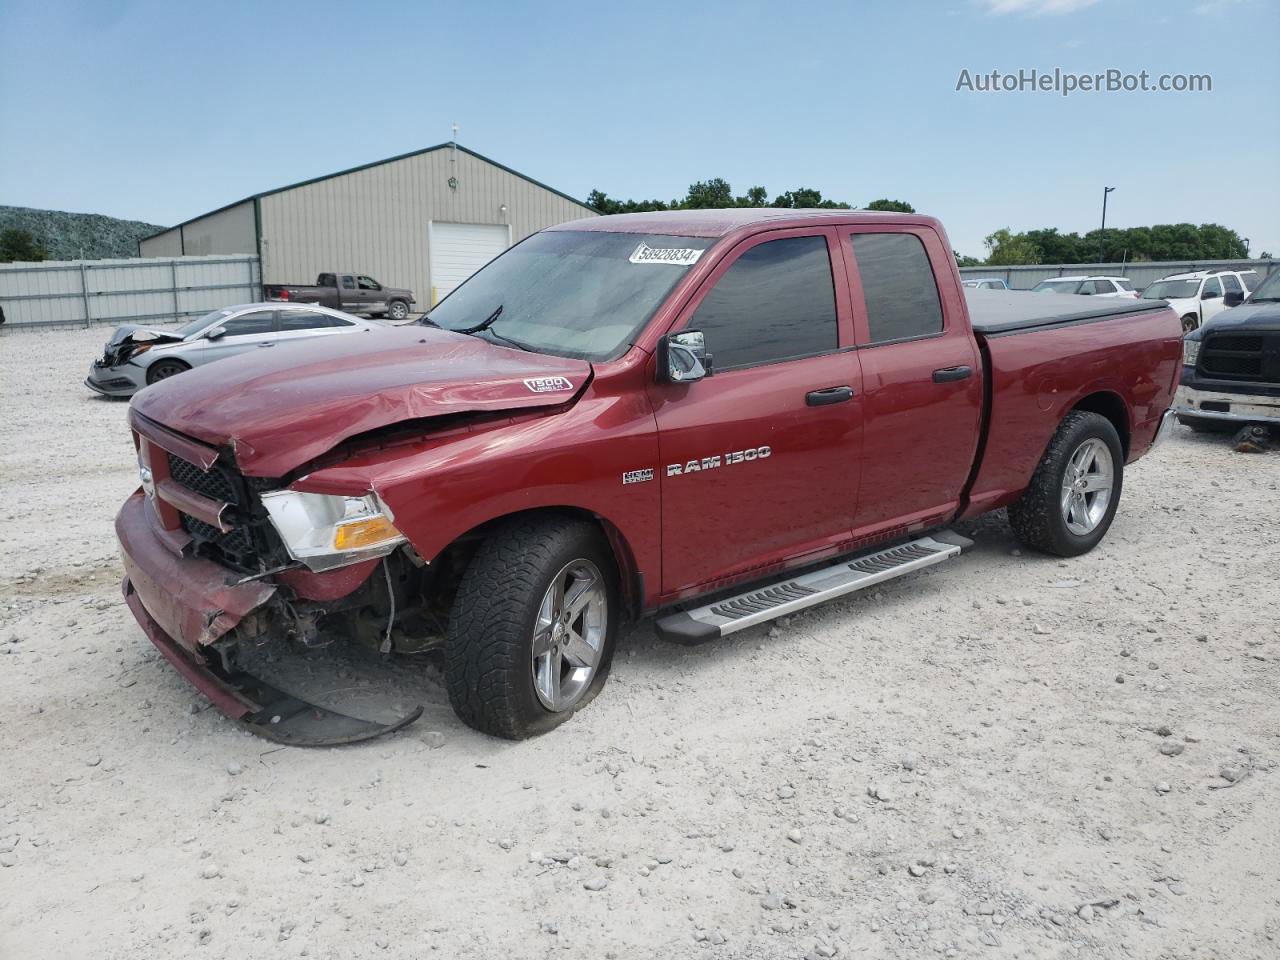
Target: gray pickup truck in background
<point>349,292</point>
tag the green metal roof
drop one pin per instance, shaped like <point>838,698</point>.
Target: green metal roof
<point>368,166</point>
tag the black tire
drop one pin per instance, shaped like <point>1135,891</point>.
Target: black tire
<point>397,310</point>
<point>1190,322</point>
<point>164,369</point>
<point>489,641</point>
<point>1037,519</point>
<point>1208,425</point>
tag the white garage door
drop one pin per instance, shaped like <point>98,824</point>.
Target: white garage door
<point>460,249</point>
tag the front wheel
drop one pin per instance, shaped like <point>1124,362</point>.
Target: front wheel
<point>531,634</point>
<point>164,369</point>
<point>397,310</point>
<point>1190,322</point>
<point>1073,495</point>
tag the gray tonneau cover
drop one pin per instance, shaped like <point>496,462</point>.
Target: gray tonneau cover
<point>995,312</point>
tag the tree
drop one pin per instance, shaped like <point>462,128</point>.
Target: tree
<point>1010,249</point>
<point>965,261</point>
<point>893,206</point>
<point>1265,255</point>
<point>716,193</point>
<point>713,194</point>
<point>20,245</point>
<point>806,198</point>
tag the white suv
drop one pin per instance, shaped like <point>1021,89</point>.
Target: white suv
<point>1199,296</point>
<point>1088,286</point>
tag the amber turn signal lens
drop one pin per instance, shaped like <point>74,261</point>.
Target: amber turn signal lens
<point>364,533</point>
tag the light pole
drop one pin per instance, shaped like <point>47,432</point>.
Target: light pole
<point>1103,230</point>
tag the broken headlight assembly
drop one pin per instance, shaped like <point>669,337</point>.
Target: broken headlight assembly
<point>323,531</point>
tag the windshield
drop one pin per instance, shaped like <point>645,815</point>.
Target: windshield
<point>1171,290</point>
<point>187,329</point>
<point>573,293</point>
<point>1270,289</point>
<point>1056,286</point>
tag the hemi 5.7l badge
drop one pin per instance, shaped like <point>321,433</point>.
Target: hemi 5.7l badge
<point>638,476</point>
<point>548,384</point>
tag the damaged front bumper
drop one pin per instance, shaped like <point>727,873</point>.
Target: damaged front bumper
<point>184,604</point>
<point>123,380</point>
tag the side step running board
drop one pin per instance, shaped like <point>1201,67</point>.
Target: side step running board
<point>727,616</point>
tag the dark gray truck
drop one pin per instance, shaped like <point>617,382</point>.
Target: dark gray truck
<point>350,292</point>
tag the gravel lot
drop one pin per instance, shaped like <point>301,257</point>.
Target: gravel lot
<point>1007,756</point>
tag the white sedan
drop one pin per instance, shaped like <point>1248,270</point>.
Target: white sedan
<point>136,356</point>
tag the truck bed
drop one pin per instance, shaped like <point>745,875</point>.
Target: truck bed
<point>995,313</point>
<point>1043,352</point>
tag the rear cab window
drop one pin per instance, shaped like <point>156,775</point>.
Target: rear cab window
<point>899,290</point>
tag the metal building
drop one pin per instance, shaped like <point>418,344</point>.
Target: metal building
<point>424,220</point>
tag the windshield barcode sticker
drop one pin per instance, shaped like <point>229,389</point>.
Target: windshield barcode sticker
<point>679,256</point>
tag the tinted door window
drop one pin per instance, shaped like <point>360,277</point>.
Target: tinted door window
<point>1125,285</point>
<point>260,321</point>
<point>368,283</point>
<point>897,285</point>
<point>1231,284</point>
<point>1103,286</point>
<point>305,320</point>
<point>776,302</point>
<point>1212,288</point>
<point>1086,289</point>
<point>348,283</point>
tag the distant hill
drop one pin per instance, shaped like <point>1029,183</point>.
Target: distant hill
<point>78,236</point>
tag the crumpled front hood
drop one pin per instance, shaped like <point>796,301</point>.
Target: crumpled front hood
<point>140,334</point>
<point>280,407</point>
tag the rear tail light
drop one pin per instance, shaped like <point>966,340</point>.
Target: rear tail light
<point>283,294</point>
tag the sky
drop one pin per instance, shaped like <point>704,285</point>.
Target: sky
<point>160,111</point>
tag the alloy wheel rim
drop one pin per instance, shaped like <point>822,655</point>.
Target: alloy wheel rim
<point>1086,486</point>
<point>568,635</point>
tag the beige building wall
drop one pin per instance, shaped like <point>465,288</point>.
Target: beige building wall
<point>376,220</point>
<point>167,244</point>
<point>226,231</point>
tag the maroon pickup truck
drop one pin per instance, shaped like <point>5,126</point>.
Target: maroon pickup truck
<point>712,418</point>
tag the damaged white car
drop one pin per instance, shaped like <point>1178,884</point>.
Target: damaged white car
<point>136,356</point>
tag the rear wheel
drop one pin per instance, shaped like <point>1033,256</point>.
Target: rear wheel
<point>1073,495</point>
<point>164,369</point>
<point>397,310</point>
<point>531,635</point>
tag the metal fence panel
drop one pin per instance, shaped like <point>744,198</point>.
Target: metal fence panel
<point>1142,273</point>
<point>152,291</point>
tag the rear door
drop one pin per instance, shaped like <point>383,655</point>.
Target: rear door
<point>759,461</point>
<point>371,295</point>
<point>349,293</point>
<point>921,375</point>
<point>303,324</point>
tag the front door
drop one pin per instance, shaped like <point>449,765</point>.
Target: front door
<point>242,333</point>
<point>1211,300</point>
<point>759,461</point>
<point>922,378</point>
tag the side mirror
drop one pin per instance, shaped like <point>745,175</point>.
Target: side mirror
<point>216,333</point>
<point>682,357</point>
<point>1210,295</point>
<point>1233,298</point>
